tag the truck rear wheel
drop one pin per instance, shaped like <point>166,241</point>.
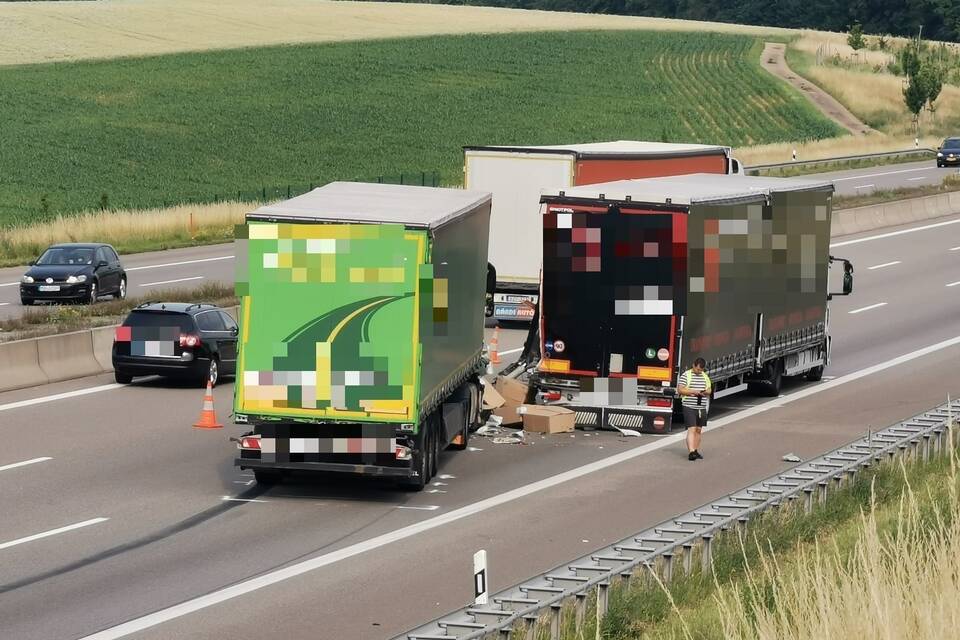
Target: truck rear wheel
<point>421,459</point>
<point>471,416</point>
<point>770,387</point>
<point>815,374</point>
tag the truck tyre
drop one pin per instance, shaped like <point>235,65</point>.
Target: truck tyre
<point>770,387</point>
<point>471,418</point>
<point>421,460</point>
<point>435,448</point>
<point>815,374</point>
<point>265,476</point>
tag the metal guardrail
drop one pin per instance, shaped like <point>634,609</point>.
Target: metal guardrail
<point>866,156</point>
<point>661,548</point>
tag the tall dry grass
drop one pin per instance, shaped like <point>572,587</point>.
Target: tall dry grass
<point>901,579</point>
<point>128,230</point>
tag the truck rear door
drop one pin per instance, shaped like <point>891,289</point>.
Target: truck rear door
<point>614,288</point>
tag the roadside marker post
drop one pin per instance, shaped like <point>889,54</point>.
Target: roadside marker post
<point>481,590</point>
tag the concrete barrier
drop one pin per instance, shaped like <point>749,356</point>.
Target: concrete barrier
<point>68,355</point>
<point>103,346</point>
<point>894,214</point>
<point>20,365</point>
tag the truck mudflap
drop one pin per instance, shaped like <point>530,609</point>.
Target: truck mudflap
<point>642,419</point>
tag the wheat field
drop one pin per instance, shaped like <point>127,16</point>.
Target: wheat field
<point>36,32</point>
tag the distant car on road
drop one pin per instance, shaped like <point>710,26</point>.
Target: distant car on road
<point>176,339</point>
<point>949,153</point>
<point>74,272</point>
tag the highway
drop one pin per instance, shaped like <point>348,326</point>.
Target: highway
<point>123,521</point>
<point>187,268</point>
<point>855,182</point>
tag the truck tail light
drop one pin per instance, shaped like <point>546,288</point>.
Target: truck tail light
<point>402,452</point>
<point>250,442</point>
<point>189,340</point>
<point>659,402</point>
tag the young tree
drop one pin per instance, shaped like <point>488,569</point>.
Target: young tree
<point>855,37</point>
<point>931,78</point>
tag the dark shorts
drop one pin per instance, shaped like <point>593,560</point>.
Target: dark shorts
<point>694,417</point>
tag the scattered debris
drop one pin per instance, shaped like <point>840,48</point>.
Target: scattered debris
<point>792,457</point>
<point>633,433</point>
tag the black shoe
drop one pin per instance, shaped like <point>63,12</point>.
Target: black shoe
<point>698,456</point>
<point>692,456</point>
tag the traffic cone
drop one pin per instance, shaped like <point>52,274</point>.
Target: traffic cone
<point>495,346</point>
<point>208,417</point>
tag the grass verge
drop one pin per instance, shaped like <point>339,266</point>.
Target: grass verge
<point>882,554</point>
<point>56,318</point>
<point>949,184</point>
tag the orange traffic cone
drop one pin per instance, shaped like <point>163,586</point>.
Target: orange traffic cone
<point>495,346</point>
<point>208,417</point>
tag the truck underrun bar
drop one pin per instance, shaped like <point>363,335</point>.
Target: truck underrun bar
<point>519,607</point>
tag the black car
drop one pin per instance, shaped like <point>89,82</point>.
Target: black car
<point>176,339</point>
<point>74,272</point>
<point>949,153</point>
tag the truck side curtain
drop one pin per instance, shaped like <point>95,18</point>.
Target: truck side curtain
<point>330,320</point>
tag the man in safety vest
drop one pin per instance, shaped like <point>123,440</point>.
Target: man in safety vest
<point>694,387</point>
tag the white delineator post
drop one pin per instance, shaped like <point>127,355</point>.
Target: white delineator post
<point>480,588</point>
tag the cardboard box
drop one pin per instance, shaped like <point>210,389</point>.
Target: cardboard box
<point>491,397</point>
<point>514,394</point>
<point>547,419</point>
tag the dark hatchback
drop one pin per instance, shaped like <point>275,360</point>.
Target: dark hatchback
<point>176,339</point>
<point>949,153</point>
<point>74,272</point>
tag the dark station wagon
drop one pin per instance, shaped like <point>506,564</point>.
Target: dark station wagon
<point>178,340</point>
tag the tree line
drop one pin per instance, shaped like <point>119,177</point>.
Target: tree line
<point>940,18</point>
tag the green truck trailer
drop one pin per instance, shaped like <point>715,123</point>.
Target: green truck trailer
<point>361,330</point>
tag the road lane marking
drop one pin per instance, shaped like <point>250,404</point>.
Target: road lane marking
<point>3,304</point>
<point>864,186</point>
<point>877,175</point>
<point>920,178</point>
<point>25,463</point>
<point>10,284</point>
<point>894,233</point>
<point>873,306</point>
<point>58,396</point>
<point>429,507</point>
<point>311,564</point>
<point>955,249</point>
<point>151,284</point>
<point>229,499</point>
<point>953,284</point>
<point>52,532</point>
<point>178,264</point>
<point>506,353</point>
<point>885,264</point>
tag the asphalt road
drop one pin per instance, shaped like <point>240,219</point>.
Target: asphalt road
<point>122,510</point>
<point>894,176</point>
<point>186,268</point>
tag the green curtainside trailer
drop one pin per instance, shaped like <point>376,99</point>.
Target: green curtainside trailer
<point>361,329</point>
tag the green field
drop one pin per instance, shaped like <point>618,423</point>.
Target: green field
<point>147,131</point>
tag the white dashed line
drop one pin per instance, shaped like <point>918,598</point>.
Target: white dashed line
<point>58,396</point>
<point>953,284</point>
<point>24,463</point>
<point>877,175</point>
<point>885,264</point>
<point>429,507</point>
<point>864,186</point>
<point>229,499</point>
<point>52,532</point>
<point>153,284</point>
<point>873,306</point>
<point>920,178</point>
